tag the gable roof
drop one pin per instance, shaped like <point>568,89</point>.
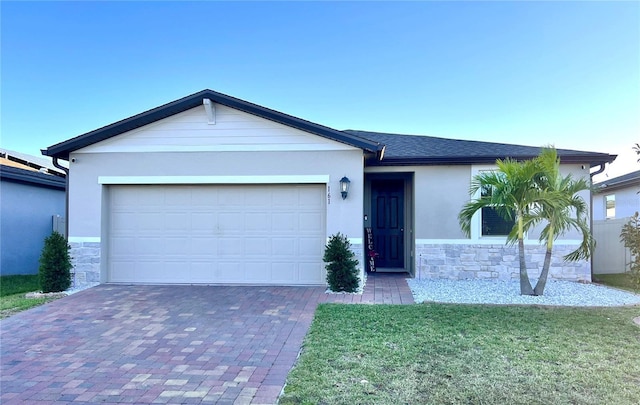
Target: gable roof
<point>62,149</point>
<point>626,180</point>
<point>417,149</point>
<point>389,149</point>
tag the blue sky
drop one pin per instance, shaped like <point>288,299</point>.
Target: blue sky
<point>533,73</point>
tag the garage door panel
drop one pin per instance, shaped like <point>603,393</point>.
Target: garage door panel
<point>122,221</point>
<point>203,221</point>
<point>177,221</point>
<point>204,245</point>
<point>232,222</point>
<point>311,197</point>
<point>231,197</point>
<point>311,273</point>
<point>257,247</point>
<point>281,272</point>
<point>267,234</point>
<point>284,222</point>
<point>149,246</point>
<point>202,272</point>
<point>230,247</point>
<point>122,246</point>
<point>179,199</point>
<point>175,246</point>
<point>284,247</point>
<point>310,247</point>
<point>257,222</point>
<point>309,222</point>
<point>230,272</point>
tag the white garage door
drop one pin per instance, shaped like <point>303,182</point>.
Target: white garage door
<point>237,234</point>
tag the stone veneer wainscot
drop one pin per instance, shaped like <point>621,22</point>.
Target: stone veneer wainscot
<point>495,261</point>
<point>85,257</point>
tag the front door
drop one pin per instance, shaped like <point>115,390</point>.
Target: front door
<point>388,222</point>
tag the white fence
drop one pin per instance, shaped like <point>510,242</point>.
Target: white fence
<point>610,256</point>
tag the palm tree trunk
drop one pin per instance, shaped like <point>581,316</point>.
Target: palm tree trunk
<point>525,284</point>
<point>542,281</point>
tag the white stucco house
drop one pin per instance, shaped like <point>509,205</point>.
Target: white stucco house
<point>216,190</point>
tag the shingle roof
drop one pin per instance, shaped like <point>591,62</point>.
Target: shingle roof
<point>398,149</point>
<point>416,149</point>
<point>30,177</point>
<point>620,181</point>
<point>62,149</point>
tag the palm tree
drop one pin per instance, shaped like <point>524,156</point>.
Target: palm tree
<point>562,210</point>
<point>511,191</point>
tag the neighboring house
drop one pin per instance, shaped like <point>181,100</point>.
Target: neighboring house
<point>614,201</point>
<point>212,189</point>
<point>32,193</point>
<point>617,197</point>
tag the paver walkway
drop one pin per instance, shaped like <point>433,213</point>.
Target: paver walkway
<point>166,344</point>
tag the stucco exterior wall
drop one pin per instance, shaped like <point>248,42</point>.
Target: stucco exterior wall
<point>441,250</point>
<point>627,202</point>
<point>87,197</point>
<point>27,212</point>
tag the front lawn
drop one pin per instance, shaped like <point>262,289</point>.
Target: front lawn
<point>468,354</point>
<point>13,290</point>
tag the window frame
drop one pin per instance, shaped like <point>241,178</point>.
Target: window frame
<point>476,221</point>
<point>606,208</point>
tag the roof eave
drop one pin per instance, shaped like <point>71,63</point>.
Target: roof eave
<point>464,160</point>
<point>30,177</point>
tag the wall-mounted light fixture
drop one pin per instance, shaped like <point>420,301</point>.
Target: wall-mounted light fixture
<point>344,187</point>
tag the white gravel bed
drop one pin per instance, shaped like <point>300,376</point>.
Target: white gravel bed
<point>561,293</point>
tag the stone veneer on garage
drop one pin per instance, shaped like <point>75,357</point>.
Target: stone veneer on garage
<point>496,262</point>
<point>85,257</point>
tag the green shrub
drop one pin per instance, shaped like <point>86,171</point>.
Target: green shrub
<point>630,235</point>
<point>55,264</point>
<point>342,273</point>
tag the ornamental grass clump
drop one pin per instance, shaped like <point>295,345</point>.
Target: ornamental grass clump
<point>630,236</point>
<point>55,264</point>
<point>342,272</point>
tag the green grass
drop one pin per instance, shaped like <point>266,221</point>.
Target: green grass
<point>12,292</point>
<point>622,281</point>
<point>468,354</point>
<point>10,285</point>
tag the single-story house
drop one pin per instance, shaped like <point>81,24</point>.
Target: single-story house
<point>33,202</point>
<point>216,190</point>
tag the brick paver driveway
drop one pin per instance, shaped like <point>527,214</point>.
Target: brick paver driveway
<point>163,344</point>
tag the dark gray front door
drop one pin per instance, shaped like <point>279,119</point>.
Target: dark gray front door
<point>388,222</point>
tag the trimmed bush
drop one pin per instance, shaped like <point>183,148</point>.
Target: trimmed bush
<point>55,264</point>
<point>342,273</point>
